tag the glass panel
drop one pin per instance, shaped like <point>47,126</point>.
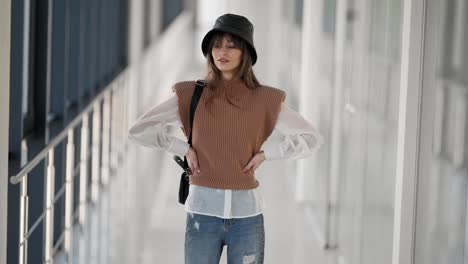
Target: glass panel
<point>323,98</point>
<point>441,235</point>
<point>171,9</point>
<point>329,17</point>
<point>298,9</point>
<point>371,73</point>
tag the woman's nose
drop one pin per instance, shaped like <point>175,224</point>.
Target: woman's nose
<point>223,50</point>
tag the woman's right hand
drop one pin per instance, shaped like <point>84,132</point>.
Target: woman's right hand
<point>192,161</point>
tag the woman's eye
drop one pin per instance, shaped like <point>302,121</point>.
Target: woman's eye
<point>228,47</point>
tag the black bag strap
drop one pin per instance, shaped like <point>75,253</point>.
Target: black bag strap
<point>193,106</point>
<point>199,84</point>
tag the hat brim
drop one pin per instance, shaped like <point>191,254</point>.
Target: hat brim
<point>209,35</point>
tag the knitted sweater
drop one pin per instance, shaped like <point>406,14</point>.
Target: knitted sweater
<point>229,136</point>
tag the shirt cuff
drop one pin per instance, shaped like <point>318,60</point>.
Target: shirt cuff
<point>178,147</point>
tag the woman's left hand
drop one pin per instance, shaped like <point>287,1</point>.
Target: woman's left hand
<point>255,162</point>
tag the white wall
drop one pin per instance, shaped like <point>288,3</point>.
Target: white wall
<point>5,13</point>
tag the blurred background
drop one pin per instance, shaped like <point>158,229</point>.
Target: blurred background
<point>385,81</point>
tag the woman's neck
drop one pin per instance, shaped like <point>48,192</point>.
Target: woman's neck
<point>228,76</point>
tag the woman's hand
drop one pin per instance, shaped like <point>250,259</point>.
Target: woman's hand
<point>192,161</point>
<point>255,162</point>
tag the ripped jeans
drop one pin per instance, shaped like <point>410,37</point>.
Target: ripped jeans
<point>205,237</point>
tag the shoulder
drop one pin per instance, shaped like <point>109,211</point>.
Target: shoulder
<point>183,86</point>
<point>272,91</point>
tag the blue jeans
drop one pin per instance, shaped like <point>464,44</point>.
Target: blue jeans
<point>205,237</point>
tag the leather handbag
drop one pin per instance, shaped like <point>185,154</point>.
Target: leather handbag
<point>184,178</point>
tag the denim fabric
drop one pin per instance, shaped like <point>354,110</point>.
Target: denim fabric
<point>205,237</point>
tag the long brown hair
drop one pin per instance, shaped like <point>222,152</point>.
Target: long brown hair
<point>245,72</point>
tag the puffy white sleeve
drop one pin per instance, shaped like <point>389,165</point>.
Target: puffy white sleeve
<point>151,129</point>
<point>299,138</point>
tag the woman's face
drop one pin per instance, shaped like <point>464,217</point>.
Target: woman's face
<point>226,55</point>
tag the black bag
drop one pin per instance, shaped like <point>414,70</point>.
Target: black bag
<point>184,178</point>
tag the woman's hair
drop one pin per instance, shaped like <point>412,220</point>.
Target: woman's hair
<point>244,73</point>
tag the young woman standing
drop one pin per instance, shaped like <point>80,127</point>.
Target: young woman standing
<point>233,120</point>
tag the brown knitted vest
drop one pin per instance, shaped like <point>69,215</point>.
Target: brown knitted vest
<point>229,136</point>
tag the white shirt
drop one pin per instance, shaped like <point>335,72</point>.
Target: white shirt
<point>299,139</point>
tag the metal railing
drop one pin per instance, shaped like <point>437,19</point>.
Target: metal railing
<point>103,158</point>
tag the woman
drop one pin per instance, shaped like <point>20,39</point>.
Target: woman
<point>234,118</point>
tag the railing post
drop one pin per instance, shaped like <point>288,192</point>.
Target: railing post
<point>120,121</point>
<point>116,120</point>
<point>125,114</point>
<point>49,209</point>
<point>69,196</point>
<point>84,168</point>
<point>113,123</point>
<point>24,206</point>
<point>105,139</point>
<point>96,152</point>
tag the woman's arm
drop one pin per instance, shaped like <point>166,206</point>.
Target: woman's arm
<point>299,138</point>
<point>151,129</point>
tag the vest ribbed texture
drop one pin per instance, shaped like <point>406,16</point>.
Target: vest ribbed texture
<point>226,139</point>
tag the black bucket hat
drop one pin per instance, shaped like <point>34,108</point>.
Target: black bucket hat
<point>234,24</point>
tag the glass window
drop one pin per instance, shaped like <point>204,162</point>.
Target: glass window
<point>171,9</point>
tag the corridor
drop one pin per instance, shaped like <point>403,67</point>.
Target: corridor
<point>384,82</point>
